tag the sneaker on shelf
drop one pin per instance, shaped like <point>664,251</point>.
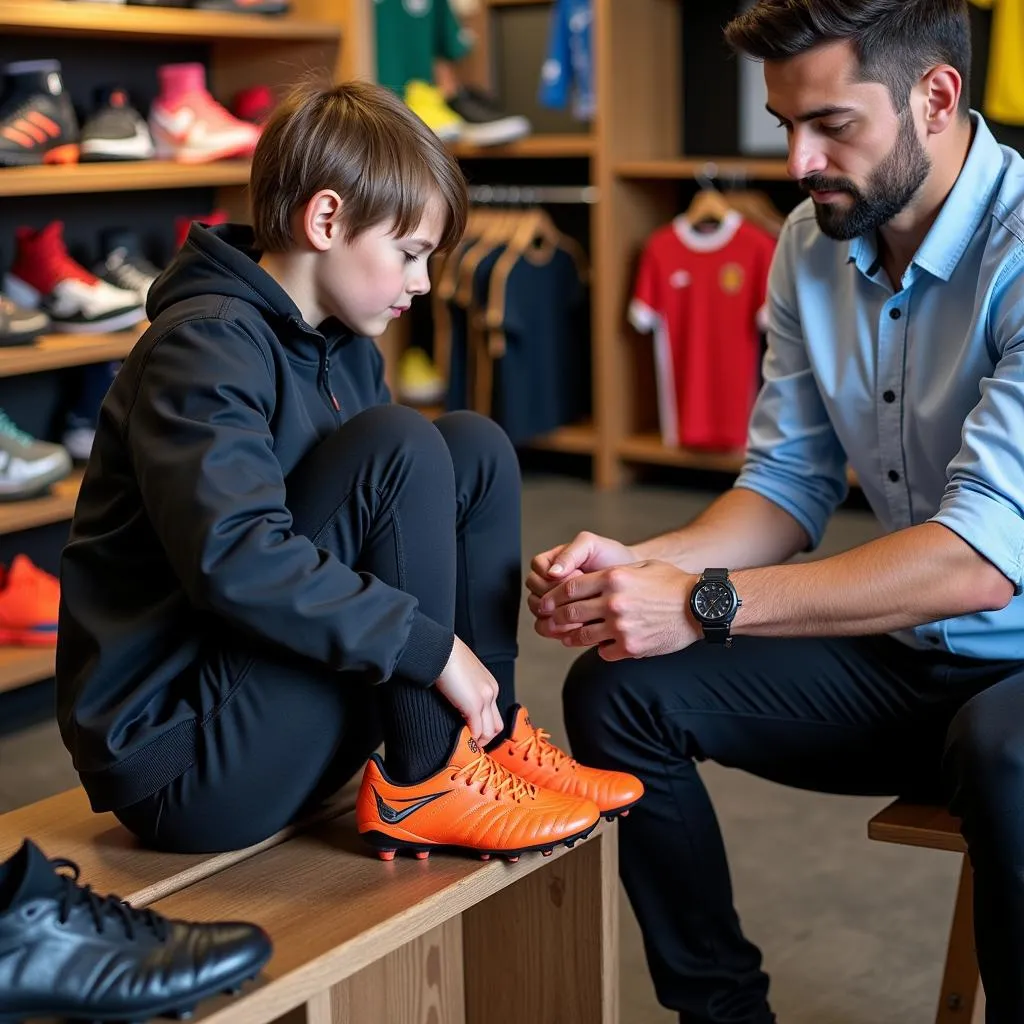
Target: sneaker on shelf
<point>485,123</point>
<point>190,126</point>
<point>20,326</point>
<point>529,752</point>
<point>254,104</point>
<point>427,103</point>
<point>45,276</point>
<point>37,121</point>
<point>124,265</point>
<point>80,423</point>
<point>85,955</point>
<point>29,602</point>
<point>116,131</point>
<point>27,466</point>
<point>243,6</point>
<point>472,803</point>
<point>183,224</point>
<point>419,381</point>
<point>161,3</point>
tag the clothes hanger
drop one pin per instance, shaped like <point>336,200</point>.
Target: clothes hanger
<point>707,205</point>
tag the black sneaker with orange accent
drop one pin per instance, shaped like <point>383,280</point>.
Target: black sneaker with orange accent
<point>37,121</point>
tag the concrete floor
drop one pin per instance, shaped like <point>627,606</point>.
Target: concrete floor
<point>853,932</point>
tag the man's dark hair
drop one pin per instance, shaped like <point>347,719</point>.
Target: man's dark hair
<point>896,41</point>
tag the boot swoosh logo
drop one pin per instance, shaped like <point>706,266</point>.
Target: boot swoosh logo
<point>393,816</point>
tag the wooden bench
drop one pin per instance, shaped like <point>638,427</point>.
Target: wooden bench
<point>961,1000</point>
<point>449,940</point>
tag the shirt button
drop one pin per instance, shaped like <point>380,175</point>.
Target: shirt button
<point>934,640</point>
<point>895,314</point>
<point>889,396</point>
<point>894,476</point>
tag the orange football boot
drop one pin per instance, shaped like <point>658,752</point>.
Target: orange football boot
<point>470,804</point>
<point>530,754</point>
<point>29,599</point>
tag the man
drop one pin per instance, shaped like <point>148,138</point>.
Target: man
<point>895,345</point>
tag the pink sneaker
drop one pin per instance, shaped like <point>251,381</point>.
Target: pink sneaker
<point>190,126</point>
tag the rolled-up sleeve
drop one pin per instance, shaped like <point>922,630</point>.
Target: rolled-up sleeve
<point>984,497</point>
<point>794,457</point>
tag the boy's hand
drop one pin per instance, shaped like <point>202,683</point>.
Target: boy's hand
<point>587,552</point>
<point>473,691</point>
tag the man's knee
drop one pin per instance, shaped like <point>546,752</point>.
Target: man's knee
<point>480,450</point>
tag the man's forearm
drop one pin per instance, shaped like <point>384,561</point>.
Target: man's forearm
<point>739,530</point>
<point>918,575</point>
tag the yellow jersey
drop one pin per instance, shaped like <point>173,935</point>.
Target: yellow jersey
<point>1004,86</point>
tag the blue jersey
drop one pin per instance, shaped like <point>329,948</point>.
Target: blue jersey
<point>568,72</point>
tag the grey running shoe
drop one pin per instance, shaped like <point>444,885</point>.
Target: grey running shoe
<point>20,326</point>
<point>27,466</point>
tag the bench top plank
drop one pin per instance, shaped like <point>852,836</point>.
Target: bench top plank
<point>924,825</point>
<point>363,909</point>
<point>111,859</point>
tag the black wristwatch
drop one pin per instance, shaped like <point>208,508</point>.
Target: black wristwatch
<point>714,603</point>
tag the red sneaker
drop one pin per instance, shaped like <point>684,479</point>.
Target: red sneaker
<point>29,599</point>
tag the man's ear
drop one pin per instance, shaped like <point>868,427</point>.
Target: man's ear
<point>321,220</point>
<point>941,89</point>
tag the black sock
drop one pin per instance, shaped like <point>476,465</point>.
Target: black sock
<point>419,730</point>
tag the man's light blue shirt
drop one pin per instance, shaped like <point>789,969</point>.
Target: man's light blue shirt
<point>920,390</point>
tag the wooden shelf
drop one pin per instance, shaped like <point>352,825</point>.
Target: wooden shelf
<point>61,18</point>
<point>56,351</point>
<point>516,3</point>
<point>577,439</point>
<point>533,146</point>
<point>724,168</point>
<point>649,449</point>
<point>55,507</point>
<point>120,177</point>
<point>21,666</point>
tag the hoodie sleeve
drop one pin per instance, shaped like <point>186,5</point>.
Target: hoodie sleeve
<point>202,450</point>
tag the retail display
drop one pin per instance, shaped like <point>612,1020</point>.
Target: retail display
<point>484,121</point>
<point>419,380</point>
<point>254,104</point>
<point>567,75</point>
<point>411,36</point>
<point>19,326</point>
<point>190,126</point>
<point>116,131</point>
<point>83,955</point>
<point>243,6</point>
<point>124,265</point>
<point>29,601</point>
<point>37,121</point>
<point>427,103</point>
<point>28,466</point>
<point>701,290</point>
<point>45,276</point>
<point>492,813</point>
<point>182,224</point>
<point>80,421</point>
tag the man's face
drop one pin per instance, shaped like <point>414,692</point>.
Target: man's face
<point>860,161</point>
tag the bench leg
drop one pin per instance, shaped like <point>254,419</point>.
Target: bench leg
<point>959,1002</point>
<point>420,983</point>
<point>546,950</point>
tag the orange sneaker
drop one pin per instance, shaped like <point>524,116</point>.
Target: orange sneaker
<point>529,753</point>
<point>470,804</point>
<point>29,599</point>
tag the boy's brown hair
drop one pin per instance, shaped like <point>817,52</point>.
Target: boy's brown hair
<point>360,140</point>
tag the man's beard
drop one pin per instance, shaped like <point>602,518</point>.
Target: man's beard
<point>890,188</point>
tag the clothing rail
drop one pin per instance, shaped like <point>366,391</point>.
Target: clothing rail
<point>532,195</point>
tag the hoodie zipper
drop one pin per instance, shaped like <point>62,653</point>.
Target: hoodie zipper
<point>327,384</point>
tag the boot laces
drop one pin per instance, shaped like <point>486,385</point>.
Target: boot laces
<point>105,908</point>
<point>538,747</point>
<point>492,776</point>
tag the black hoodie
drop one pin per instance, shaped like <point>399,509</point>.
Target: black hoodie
<point>181,527</point>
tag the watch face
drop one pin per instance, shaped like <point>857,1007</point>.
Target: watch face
<point>713,602</point>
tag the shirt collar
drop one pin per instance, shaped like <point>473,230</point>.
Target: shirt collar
<point>960,217</point>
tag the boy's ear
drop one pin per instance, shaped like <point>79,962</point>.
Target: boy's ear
<point>321,220</point>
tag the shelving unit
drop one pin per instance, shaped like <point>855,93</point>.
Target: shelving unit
<point>725,167</point>
<point>120,177</point>
<point>20,666</point>
<point>57,351</point>
<point>533,146</point>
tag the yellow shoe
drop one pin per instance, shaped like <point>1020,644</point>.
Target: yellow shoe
<point>419,382</point>
<point>427,103</point>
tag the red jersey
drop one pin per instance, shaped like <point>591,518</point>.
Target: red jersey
<point>702,294</point>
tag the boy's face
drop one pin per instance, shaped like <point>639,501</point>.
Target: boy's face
<point>368,282</point>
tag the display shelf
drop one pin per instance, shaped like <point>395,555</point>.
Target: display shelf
<point>120,177</point>
<point>576,439</point>
<point>21,666</point>
<point>721,169</point>
<point>57,351</point>
<point>533,146</point>
<point>54,507</point>
<point>49,17</point>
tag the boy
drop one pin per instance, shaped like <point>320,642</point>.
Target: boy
<point>271,569</point>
